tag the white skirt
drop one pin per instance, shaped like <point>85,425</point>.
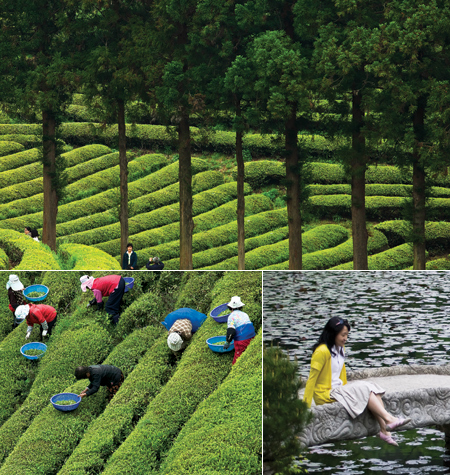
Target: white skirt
<point>354,396</point>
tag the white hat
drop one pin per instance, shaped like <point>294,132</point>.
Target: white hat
<point>86,281</point>
<point>22,312</point>
<point>235,302</point>
<point>14,283</point>
<point>174,341</point>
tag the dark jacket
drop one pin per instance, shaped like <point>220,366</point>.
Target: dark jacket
<point>102,375</point>
<point>158,266</point>
<point>16,298</point>
<point>133,261</point>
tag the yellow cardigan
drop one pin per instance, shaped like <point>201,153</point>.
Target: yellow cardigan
<point>319,381</point>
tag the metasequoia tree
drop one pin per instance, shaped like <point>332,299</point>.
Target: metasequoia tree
<point>39,55</point>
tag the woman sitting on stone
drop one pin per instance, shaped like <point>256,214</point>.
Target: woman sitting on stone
<point>327,381</point>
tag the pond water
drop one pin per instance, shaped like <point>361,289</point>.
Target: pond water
<point>396,317</point>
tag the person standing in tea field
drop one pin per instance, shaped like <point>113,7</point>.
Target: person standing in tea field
<point>16,298</point>
<point>44,315</point>
<point>111,286</point>
<point>100,375</point>
<point>129,260</point>
<point>240,328</point>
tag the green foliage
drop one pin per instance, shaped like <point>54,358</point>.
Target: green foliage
<point>255,225</point>
<point>196,290</point>
<point>80,257</point>
<point>321,237</point>
<point>26,253</point>
<point>4,260</point>
<point>234,408</point>
<point>285,415</point>
<point>111,428</point>
<point>397,258</point>
<point>85,346</point>
<point>207,220</point>
<point>63,287</point>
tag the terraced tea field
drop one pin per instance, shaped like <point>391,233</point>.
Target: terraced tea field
<point>88,214</point>
<point>193,413</point>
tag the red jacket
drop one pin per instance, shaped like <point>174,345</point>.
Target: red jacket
<point>40,313</point>
<point>105,285</point>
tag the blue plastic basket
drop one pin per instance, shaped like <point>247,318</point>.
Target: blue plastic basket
<point>36,288</point>
<point>129,282</point>
<point>217,311</point>
<point>65,397</point>
<point>33,346</point>
<point>218,348</point>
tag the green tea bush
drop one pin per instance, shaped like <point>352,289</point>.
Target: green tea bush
<point>86,346</point>
<point>25,252</point>
<point>9,148</point>
<point>439,264</point>
<point>4,260</point>
<point>234,408</point>
<point>198,374</point>
<point>400,257</point>
<point>375,190</point>
<point>149,309</point>
<point>62,289</point>
<point>321,237</point>
<point>201,203</point>
<point>398,232</point>
<point>262,172</point>
<point>334,256</point>
<point>255,225</point>
<point>16,158</point>
<point>229,252</point>
<point>52,436</point>
<point>111,428</point>
<point>102,201</point>
<point>80,257</point>
<point>197,289</point>
<point>216,217</point>
<point>27,141</point>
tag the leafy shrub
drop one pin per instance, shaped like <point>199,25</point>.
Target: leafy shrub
<point>198,374</point>
<point>196,290</point>
<point>111,428</point>
<point>86,346</point>
<point>82,257</point>
<point>262,173</point>
<point>4,261</point>
<point>205,221</point>
<point>234,408</point>
<point>255,225</point>
<point>400,257</point>
<point>201,203</point>
<point>321,237</point>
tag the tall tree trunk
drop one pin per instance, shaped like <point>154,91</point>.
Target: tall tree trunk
<point>185,179</point>
<point>293,191</point>
<point>240,191</point>
<point>50,195</point>
<point>418,193</point>
<point>358,171</point>
<point>123,166</point>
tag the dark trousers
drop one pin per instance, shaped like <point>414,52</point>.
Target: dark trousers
<point>114,301</point>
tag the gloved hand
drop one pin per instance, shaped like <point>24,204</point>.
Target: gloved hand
<point>27,335</point>
<point>91,302</point>
<point>44,333</point>
<point>226,345</point>
<point>99,306</point>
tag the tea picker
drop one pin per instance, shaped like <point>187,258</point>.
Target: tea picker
<point>111,286</point>
<point>15,294</point>
<point>240,328</point>
<point>100,375</point>
<point>44,315</point>
<point>181,324</point>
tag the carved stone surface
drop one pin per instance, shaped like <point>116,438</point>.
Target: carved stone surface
<point>426,406</point>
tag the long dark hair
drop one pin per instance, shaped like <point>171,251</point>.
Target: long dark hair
<point>332,328</point>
